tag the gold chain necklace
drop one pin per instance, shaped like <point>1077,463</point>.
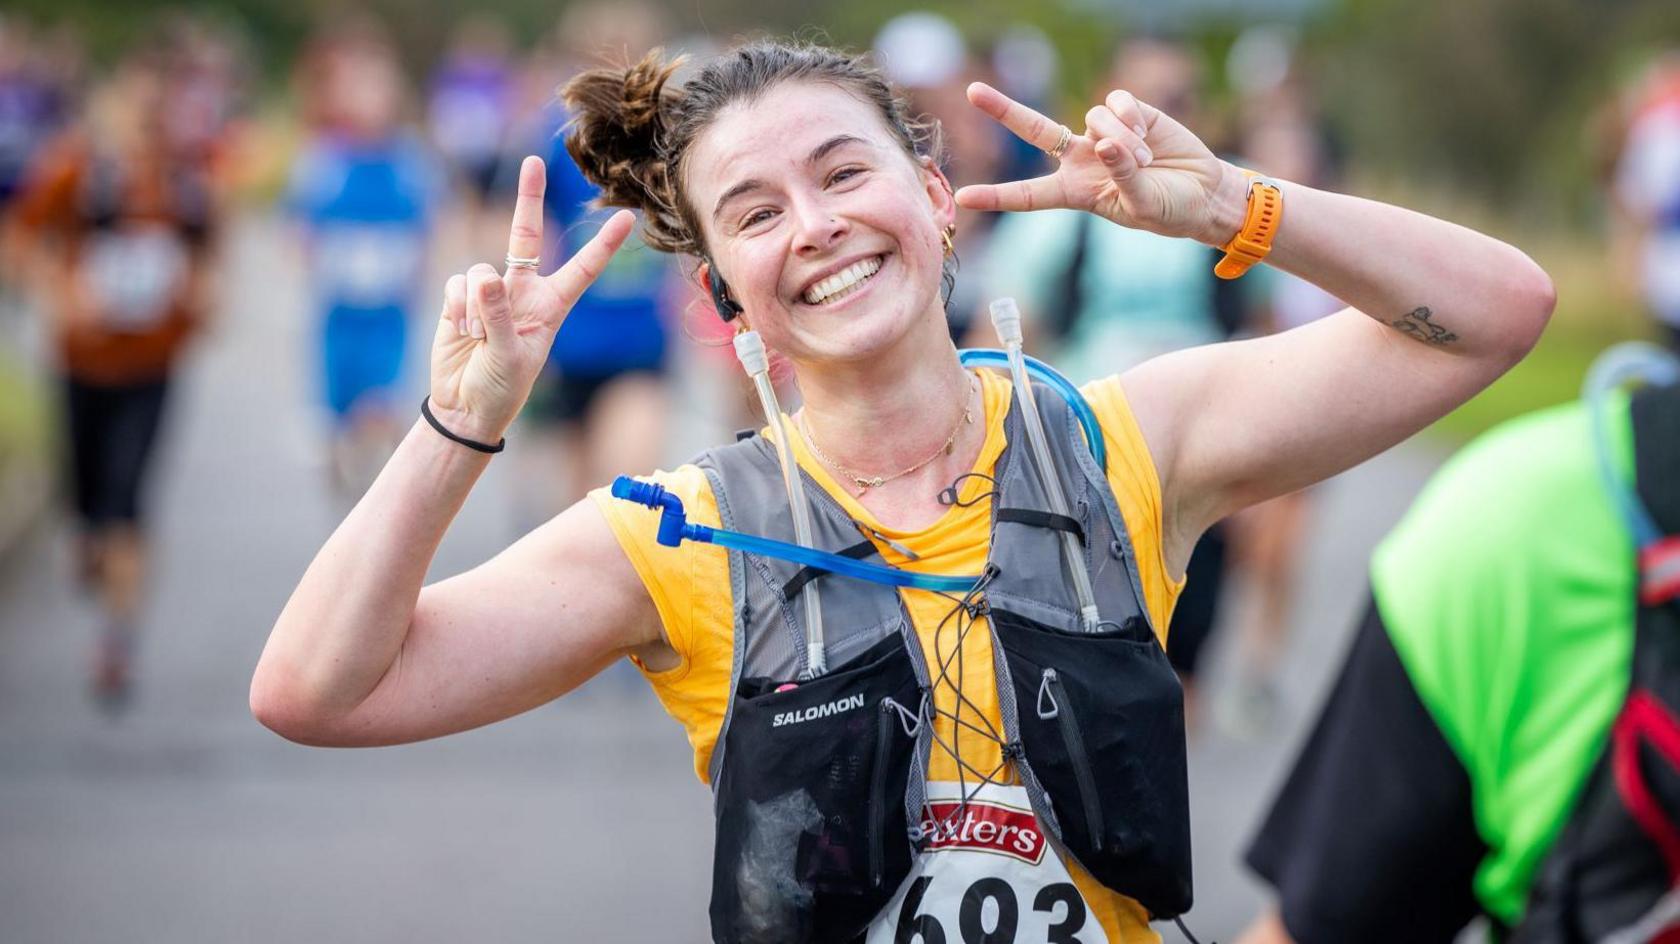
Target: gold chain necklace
<point>867,482</point>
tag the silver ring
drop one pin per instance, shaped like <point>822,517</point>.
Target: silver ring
<point>1061,144</point>
<point>518,262</point>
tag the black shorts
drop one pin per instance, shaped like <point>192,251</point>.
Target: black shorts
<point>565,398</point>
<point>110,432</point>
<point>1198,606</point>
<point>487,177</point>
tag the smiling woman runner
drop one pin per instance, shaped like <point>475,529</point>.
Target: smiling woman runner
<point>1000,764</point>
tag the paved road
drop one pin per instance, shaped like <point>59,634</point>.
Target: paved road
<point>186,821</point>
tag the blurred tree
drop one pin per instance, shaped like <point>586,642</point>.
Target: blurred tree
<point>1488,95</point>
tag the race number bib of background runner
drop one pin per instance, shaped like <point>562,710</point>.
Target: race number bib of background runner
<point>988,876</point>
<point>368,265</point>
<point>133,275</point>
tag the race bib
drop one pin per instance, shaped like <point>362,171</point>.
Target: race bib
<point>133,275</point>
<point>988,876</point>
<point>368,265</point>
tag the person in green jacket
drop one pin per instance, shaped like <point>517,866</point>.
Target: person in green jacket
<point>1481,690</point>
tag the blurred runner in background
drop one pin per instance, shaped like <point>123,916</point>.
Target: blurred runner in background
<point>120,219</point>
<point>208,80</point>
<point>37,95</point>
<point>1502,738</point>
<point>600,405</point>
<point>1027,67</point>
<point>925,55</point>
<point>1282,136</point>
<point>365,190</point>
<point>1113,297</point>
<point>470,116</point>
<point>1646,193</point>
<point>33,106</point>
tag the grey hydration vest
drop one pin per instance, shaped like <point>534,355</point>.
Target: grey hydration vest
<point>819,786</point>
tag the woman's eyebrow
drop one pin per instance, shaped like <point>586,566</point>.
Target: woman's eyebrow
<point>817,154</point>
<point>821,150</point>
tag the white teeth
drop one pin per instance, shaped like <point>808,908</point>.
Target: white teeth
<point>840,281</point>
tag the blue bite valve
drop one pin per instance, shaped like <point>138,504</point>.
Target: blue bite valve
<point>673,518</point>
<point>651,494</point>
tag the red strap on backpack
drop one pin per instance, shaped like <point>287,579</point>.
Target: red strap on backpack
<point>1659,571</point>
<point>1645,719</point>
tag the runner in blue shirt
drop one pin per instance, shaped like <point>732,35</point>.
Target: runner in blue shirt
<point>602,398</point>
<point>366,192</point>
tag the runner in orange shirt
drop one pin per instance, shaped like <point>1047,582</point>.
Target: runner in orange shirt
<point>120,228</point>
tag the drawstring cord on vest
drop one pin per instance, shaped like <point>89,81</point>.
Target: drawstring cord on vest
<point>911,721</point>
<point>967,611</point>
<point>952,494</point>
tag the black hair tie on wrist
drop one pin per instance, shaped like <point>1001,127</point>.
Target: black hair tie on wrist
<point>473,444</point>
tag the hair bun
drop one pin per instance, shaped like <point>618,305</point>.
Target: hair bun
<point>644,84</point>
<point>616,135</point>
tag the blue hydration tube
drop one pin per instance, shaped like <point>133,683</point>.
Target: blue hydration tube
<point>987,357</point>
<point>674,528</point>
<point>1633,360</point>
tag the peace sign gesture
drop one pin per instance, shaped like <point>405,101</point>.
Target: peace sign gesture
<point>496,328</point>
<point>1134,165</point>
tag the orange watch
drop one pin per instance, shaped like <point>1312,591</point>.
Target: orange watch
<point>1254,241</point>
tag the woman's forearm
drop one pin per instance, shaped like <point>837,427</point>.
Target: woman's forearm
<point>345,623</point>
<point>1446,286</point>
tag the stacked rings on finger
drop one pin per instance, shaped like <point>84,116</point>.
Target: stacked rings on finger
<point>523,262</point>
<point>1061,144</point>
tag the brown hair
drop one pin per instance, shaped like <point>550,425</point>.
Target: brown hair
<point>631,130</point>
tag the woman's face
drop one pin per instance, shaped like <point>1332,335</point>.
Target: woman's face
<point>827,232</point>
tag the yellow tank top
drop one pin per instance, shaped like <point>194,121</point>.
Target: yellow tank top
<point>691,590</point>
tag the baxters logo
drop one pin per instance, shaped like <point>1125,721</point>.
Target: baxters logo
<point>985,827</point>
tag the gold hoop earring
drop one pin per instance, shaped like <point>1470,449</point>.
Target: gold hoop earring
<point>947,233</point>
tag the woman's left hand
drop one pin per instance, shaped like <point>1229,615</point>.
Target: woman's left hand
<point>1134,165</point>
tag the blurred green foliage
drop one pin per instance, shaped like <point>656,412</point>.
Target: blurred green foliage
<point>1508,99</point>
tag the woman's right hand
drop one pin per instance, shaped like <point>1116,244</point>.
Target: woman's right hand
<point>1135,165</point>
<point>496,329</point>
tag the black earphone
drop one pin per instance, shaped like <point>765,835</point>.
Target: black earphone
<point>727,308</point>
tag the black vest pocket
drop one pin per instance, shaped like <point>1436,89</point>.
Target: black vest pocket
<point>1102,727</point>
<point>812,836</point>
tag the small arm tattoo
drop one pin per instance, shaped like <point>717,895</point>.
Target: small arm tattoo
<point>1419,324</point>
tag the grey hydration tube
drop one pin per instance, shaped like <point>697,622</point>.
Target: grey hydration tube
<point>1006,318</point>
<point>749,348</point>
